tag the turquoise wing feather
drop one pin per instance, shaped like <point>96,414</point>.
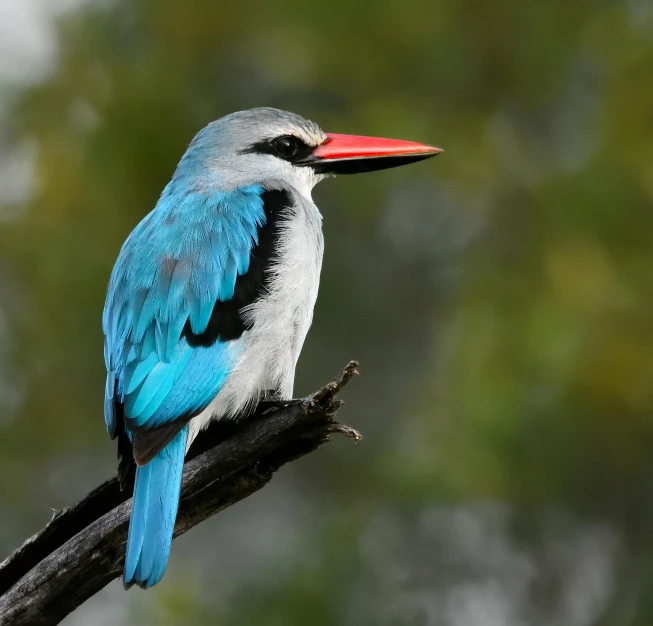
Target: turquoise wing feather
<point>181,260</point>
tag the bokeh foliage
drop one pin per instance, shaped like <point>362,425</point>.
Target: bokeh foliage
<point>499,298</point>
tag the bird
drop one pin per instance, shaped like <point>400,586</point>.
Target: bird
<point>212,295</point>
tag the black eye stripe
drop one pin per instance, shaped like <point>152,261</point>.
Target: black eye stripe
<point>286,147</point>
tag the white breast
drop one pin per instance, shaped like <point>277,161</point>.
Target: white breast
<point>281,319</point>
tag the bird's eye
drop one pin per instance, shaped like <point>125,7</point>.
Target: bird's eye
<point>286,147</point>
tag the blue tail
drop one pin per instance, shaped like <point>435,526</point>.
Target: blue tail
<point>154,510</point>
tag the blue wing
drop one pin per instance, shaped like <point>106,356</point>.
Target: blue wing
<point>179,263</point>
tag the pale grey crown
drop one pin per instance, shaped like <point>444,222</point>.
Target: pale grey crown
<point>223,152</point>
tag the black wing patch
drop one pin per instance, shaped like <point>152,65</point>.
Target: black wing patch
<point>126,464</point>
<point>226,322</point>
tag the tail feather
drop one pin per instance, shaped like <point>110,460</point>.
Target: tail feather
<point>154,510</point>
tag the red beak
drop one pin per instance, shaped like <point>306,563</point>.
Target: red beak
<point>350,154</point>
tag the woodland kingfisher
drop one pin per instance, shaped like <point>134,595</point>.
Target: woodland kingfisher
<point>212,295</point>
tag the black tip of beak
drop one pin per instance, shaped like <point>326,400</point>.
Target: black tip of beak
<point>365,164</point>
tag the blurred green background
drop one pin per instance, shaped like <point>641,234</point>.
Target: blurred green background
<point>499,298</point>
